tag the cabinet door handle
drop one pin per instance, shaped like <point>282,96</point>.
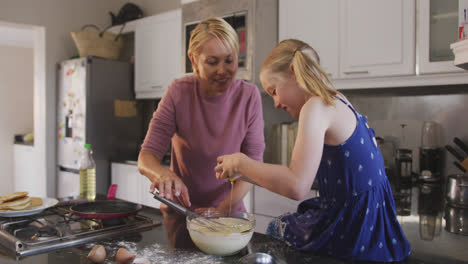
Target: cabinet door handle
<point>156,86</point>
<point>356,72</point>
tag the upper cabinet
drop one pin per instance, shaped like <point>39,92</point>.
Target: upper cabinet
<point>378,43</point>
<point>437,29</point>
<point>377,38</point>
<point>158,46</point>
<point>316,23</point>
<point>359,38</point>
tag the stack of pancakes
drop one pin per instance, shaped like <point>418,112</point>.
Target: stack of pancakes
<point>18,201</point>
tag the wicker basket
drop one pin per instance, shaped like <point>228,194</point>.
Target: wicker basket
<point>97,43</point>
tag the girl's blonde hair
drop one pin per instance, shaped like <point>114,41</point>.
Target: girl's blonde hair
<point>306,62</point>
<point>209,28</point>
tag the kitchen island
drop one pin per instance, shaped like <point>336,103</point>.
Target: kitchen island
<point>430,243</point>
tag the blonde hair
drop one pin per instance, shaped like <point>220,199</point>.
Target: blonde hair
<point>209,28</point>
<point>306,62</point>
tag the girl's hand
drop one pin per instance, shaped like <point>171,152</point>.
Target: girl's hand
<point>171,187</point>
<point>228,165</point>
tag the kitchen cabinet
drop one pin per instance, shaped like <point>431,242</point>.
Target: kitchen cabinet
<point>129,182</point>
<point>437,29</point>
<point>316,23</point>
<point>362,38</point>
<point>25,171</point>
<point>268,205</point>
<point>377,38</point>
<point>134,187</point>
<point>158,44</point>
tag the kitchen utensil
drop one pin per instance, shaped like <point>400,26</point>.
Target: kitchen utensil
<point>459,166</point>
<point>430,163</point>
<point>456,220</point>
<point>105,209</point>
<point>257,257</point>
<point>427,226</point>
<point>454,152</point>
<point>430,135</point>
<point>461,145</point>
<point>222,243</point>
<point>213,225</point>
<point>404,166</point>
<point>456,192</point>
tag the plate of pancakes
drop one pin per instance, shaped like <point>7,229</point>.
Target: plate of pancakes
<point>21,204</point>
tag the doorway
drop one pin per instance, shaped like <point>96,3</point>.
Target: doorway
<point>22,83</point>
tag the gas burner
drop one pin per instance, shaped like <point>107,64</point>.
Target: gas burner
<point>34,233</point>
<point>56,228</point>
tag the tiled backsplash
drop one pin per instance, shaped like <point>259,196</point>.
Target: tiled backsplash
<point>448,106</point>
<point>387,109</point>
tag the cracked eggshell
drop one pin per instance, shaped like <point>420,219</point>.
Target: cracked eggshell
<point>124,257</point>
<point>97,254</point>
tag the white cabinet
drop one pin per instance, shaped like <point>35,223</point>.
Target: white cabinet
<point>132,186</point>
<point>268,205</point>
<point>437,29</point>
<point>316,23</point>
<point>25,172</point>
<point>158,46</point>
<point>377,38</point>
<point>354,39</point>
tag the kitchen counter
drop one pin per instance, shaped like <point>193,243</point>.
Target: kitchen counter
<point>430,244</point>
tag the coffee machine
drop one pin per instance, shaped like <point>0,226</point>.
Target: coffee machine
<point>430,152</point>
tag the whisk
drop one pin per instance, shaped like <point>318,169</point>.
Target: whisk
<point>210,224</point>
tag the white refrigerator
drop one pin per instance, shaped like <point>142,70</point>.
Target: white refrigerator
<point>95,105</point>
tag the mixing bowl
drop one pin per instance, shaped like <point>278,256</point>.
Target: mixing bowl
<point>222,241</point>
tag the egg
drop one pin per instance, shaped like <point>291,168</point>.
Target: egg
<point>97,254</point>
<point>124,257</point>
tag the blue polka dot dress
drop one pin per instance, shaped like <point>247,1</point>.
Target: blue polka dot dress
<point>354,217</point>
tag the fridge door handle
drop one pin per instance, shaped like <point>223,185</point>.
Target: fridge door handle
<point>61,168</point>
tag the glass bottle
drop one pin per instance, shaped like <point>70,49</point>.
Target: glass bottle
<point>87,174</point>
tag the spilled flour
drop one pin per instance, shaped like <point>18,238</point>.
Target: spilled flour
<point>157,253</point>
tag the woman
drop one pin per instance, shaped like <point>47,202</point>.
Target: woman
<point>354,217</point>
<point>204,115</point>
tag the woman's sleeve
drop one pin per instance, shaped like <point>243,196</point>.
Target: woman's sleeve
<point>162,126</point>
<point>254,141</point>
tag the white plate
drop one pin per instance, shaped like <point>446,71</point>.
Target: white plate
<point>46,203</point>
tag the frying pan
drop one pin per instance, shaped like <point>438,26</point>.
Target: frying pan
<point>105,209</point>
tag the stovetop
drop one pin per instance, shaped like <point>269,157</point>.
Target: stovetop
<point>57,228</point>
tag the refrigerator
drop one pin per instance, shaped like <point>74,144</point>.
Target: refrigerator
<point>95,105</point>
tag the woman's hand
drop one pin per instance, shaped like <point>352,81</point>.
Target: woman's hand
<point>228,165</point>
<point>170,186</point>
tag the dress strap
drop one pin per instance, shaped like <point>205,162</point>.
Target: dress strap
<point>348,104</point>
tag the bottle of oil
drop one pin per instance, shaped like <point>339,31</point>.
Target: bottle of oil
<point>87,174</point>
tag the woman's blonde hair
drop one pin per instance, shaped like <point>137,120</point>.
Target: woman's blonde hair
<point>306,63</point>
<point>209,28</point>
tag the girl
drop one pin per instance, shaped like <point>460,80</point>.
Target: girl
<point>354,217</point>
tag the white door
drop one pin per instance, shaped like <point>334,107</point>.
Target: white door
<point>377,38</point>
<point>316,23</point>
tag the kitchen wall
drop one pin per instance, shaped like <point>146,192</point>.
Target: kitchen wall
<point>16,105</point>
<point>387,109</point>
<point>58,18</point>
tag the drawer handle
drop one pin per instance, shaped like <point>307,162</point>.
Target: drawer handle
<point>356,72</point>
<point>156,87</point>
